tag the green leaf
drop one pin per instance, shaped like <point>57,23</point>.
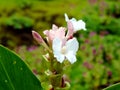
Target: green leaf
<point>14,73</point>
<point>113,87</point>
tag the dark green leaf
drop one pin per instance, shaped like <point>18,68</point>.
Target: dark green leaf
<point>14,73</point>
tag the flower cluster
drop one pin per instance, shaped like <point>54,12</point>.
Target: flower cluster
<point>61,42</point>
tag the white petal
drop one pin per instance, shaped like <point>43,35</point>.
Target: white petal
<point>73,20</point>
<point>54,27</point>
<point>72,45</point>
<point>71,57</point>
<point>57,45</point>
<point>78,25</point>
<point>66,17</point>
<point>81,24</point>
<point>60,57</point>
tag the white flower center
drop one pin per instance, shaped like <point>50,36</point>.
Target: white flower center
<point>63,50</point>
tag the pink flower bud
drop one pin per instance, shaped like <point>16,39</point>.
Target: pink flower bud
<point>37,37</point>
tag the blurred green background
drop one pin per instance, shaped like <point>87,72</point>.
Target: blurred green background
<point>98,63</point>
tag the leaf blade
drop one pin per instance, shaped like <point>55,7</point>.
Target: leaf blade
<point>113,87</point>
<point>15,74</point>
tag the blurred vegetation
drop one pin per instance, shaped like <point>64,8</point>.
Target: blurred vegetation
<point>20,17</point>
<point>99,53</point>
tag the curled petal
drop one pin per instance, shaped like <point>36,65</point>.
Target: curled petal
<point>70,30</point>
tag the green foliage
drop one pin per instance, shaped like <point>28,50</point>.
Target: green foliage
<point>28,14</point>
<point>104,16</point>
<point>113,26</point>
<point>23,4</point>
<point>97,64</point>
<point>18,22</point>
<point>14,74</point>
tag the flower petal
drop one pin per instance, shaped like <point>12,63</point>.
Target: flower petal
<point>70,30</point>
<point>54,27</point>
<point>78,25</point>
<point>60,57</point>
<point>72,45</point>
<point>71,57</point>
<point>46,32</point>
<point>57,45</point>
<point>60,33</point>
<point>73,20</point>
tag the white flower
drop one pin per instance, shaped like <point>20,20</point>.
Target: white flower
<point>77,25</point>
<point>68,51</point>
